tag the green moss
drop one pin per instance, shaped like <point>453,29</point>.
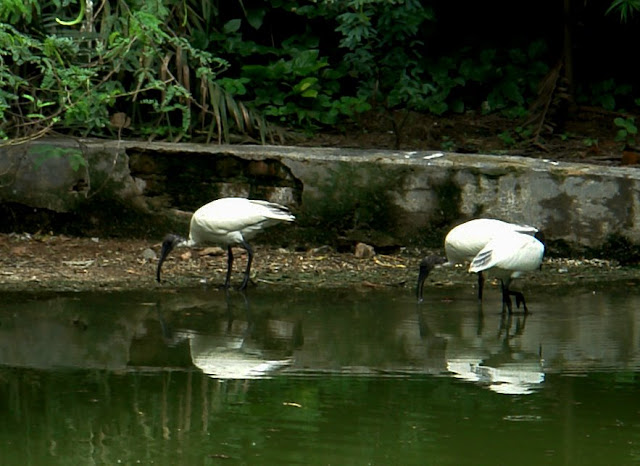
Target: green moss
<point>449,198</point>
<point>354,197</point>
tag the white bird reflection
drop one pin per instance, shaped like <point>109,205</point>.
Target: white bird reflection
<point>506,372</point>
<point>230,350</point>
<point>509,379</point>
<point>231,361</point>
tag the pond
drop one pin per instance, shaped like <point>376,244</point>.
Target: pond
<point>197,377</point>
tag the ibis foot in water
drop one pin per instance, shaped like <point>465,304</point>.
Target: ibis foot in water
<point>506,300</point>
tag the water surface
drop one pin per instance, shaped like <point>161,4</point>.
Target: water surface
<point>329,377</point>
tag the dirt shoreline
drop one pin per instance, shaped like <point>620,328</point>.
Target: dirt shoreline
<point>59,263</point>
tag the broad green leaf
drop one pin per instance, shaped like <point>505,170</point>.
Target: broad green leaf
<point>232,26</point>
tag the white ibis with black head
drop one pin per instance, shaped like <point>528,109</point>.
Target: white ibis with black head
<point>228,222</point>
<point>507,255</point>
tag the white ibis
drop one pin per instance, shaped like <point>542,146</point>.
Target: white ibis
<point>507,255</point>
<point>228,221</point>
<point>466,240</point>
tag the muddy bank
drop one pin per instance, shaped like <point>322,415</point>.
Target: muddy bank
<point>60,263</point>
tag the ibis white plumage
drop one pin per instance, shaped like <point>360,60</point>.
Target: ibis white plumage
<point>228,222</point>
<point>507,255</point>
<point>466,240</point>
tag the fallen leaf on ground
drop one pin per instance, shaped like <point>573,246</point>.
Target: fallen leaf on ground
<point>373,285</point>
<point>212,251</point>
<point>387,264</point>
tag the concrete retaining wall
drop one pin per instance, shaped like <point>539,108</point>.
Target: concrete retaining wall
<point>384,197</point>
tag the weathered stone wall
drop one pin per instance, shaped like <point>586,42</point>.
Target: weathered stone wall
<point>384,197</point>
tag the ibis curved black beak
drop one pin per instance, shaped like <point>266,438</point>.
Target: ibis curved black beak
<point>168,244</point>
<point>426,266</point>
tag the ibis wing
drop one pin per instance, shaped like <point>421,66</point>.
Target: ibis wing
<point>484,260</point>
<point>511,251</point>
<point>274,211</point>
<point>224,219</point>
<point>466,240</point>
<point>526,229</point>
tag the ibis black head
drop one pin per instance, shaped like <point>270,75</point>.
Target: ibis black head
<point>540,237</point>
<point>426,266</point>
<point>168,244</point>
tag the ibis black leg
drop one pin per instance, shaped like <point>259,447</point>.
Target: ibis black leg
<point>245,281</point>
<point>506,298</point>
<point>480,285</point>
<point>520,300</point>
<point>229,265</point>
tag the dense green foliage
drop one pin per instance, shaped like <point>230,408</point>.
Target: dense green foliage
<point>201,70</point>
<point>127,58</point>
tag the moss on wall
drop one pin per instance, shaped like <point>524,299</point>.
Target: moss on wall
<point>350,198</point>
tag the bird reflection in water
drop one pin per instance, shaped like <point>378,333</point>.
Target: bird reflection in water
<point>239,347</point>
<point>507,372</point>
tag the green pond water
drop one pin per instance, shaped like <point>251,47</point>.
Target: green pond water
<point>195,377</point>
